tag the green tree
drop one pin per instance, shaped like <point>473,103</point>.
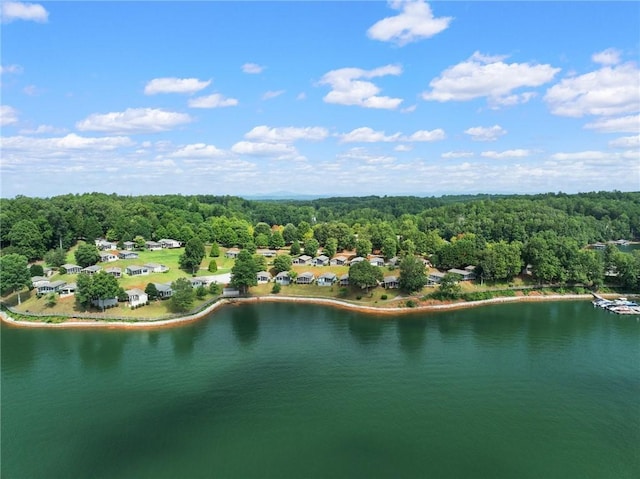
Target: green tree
<point>214,288</point>
<point>104,286</point>
<point>51,300</point>
<point>201,292</point>
<point>83,291</point>
<point>311,246</point>
<point>87,255</point>
<point>215,250</point>
<point>282,263</point>
<point>14,273</point>
<point>276,241</point>
<point>364,275</point>
<point>152,291</point>
<point>261,229</point>
<point>450,286</point>
<point>193,254</point>
<point>389,247</point>
<point>412,274</point>
<point>330,247</point>
<point>36,270</point>
<point>26,239</point>
<point>290,233</point>
<point>55,257</point>
<point>213,266</point>
<point>262,240</point>
<point>183,295</point>
<point>244,271</point>
<point>295,248</point>
<point>139,242</point>
<point>363,247</point>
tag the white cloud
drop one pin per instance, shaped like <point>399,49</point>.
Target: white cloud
<point>8,115</point>
<point>41,129</point>
<point>582,155</point>
<point>287,134</point>
<point>489,76</point>
<point>403,148</point>
<point>175,85</point>
<point>415,22</point>
<point>362,155</point>
<point>367,135</point>
<point>301,96</point>
<point>198,150</point>
<point>61,146</point>
<point>426,135</point>
<point>456,154</point>
<point>348,89</point>
<point>263,149</point>
<point>626,142</point>
<point>134,120</point>
<point>252,68</point>
<point>481,133</point>
<point>625,124</point>
<point>23,11</point>
<point>216,100</point>
<point>500,155</point>
<point>611,90</point>
<point>272,94</point>
<point>610,56</point>
<point>15,69</point>
<point>31,90</point>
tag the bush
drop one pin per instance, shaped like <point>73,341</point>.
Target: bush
<point>343,292</point>
<point>276,288</point>
<point>213,266</point>
<point>411,303</point>
<point>384,296</point>
<point>359,297</point>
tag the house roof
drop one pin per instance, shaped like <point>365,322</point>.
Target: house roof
<point>113,269</point>
<point>304,257</point>
<point>70,286</point>
<point>458,271</point>
<point>322,257</point>
<point>69,266</point>
<point>282,274</point>
<point>95,267</point>
<point>162,286</point>
<point>306,274</point>
<point>135,292</point>
<point>390,279</point>
<point>327,276</point>
<point>264,273</point>
<point>152,265</point>
<point>135,267</point>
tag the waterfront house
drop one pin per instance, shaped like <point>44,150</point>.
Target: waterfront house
<point>344,280</point>
<point>305,278</point>
<point>38,281</point>
<point>50,287</point>
<point>263,277</point>
<point>68,289</point>
<point>114,271</point>
<point>327,279</point>
<point>164,290</point>
<point>197,282</point>
<point>283,278</point>
<point>230,293</point>
<point>105,303</point>
<point>156,267</point>
<point>91,270</point>
<point>435,278</point>
<point>465,274</point>
<point>127,255</point>
<point>72,268</point>
<point>137,297</point>
<point>391,282</point>
<point>135,270</point>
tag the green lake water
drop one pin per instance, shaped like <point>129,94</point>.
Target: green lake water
<point>531,390</point>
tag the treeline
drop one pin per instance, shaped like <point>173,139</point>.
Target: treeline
<point>548,231</point>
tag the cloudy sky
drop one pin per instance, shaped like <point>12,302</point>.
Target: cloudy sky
<point>319,98</point>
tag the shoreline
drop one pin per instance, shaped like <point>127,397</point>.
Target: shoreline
<point>153,324</point>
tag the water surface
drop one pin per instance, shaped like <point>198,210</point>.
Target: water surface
<point>536,390</point>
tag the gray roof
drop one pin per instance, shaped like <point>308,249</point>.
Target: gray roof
<point>95,268</point>
<point>162,286</point>
<point>69,265</point>
<point>134,291</point>
<point>306,274</point>
<point>327,276</point>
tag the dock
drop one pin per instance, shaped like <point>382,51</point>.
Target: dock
<point>618,306</point>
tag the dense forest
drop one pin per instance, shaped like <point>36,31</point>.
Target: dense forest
<point>547,231</point>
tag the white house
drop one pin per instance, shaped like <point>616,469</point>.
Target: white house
<point>137,297</point>
<point>263,277</point>
<point>72,268</point>
<point>105,303</point>
<point>152,245</point>
<point>135,270</point>
<point>302,259</point>
<point>232,253</point>
<point>326,279</point>
<point>114,271</point>
<point>338,261</point>
<point>91,270</point>
<point>127,255</point>
<point>50,287</point>
<point>305,278</point>
<point>106,257</point>
<point>391,282</point>
<point>164,290</point>
<point>283,278</point>
<point>156,267</point>
<point>169,243</point>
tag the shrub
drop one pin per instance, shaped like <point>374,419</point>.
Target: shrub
<point>411,303</point>
<point>343,292</point>
<point>359,297</point>
<point>276,288</point>
<point>384,296</point>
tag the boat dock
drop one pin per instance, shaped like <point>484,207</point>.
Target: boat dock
<point>618,306</point>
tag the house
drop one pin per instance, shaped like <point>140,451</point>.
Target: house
<point>152,245</point>
<point>394,262</point>
<point>137,297</point>
<point>344,280</point>
<point>104,245</point>
<point>156,267</point>
<point>355,260</point>
<point>105,303</point>
<point>232,253</point>
<point>466,275</point>
<point>164,290</point>
<point>321,260</point>
<point>267,253</point>
<point>91,270</point>
<point>48,271</point>
<point>338,261</point>
<point>68,289</point>
<point>197,282</point>
<point>376,261</point>
<point>391,282</point>
<point>230,293</point>
<point>305,278</point>
<point>128,245</point>
<point>50,287</point>
<point>283,278</point>
<point>303,259</point>
<point>114,271</point>
<point>434,278</point>
<point>38,281</point>
<point>106,257</point>
<point>127,255</point>
<point>169,243</point>
<point>135,270</point>
<point>263,277</point>
<point>327,279</point>
<point>71,268</point>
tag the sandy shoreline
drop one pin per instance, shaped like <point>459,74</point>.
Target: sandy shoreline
<point>151,324</point>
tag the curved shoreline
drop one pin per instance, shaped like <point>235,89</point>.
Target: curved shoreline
<point>151,324</point>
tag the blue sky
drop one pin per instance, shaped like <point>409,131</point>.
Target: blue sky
<point>319,98</point>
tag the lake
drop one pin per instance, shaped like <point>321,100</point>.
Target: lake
<point>279,390</point>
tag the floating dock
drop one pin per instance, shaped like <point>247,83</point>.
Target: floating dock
<point>618,306</point>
